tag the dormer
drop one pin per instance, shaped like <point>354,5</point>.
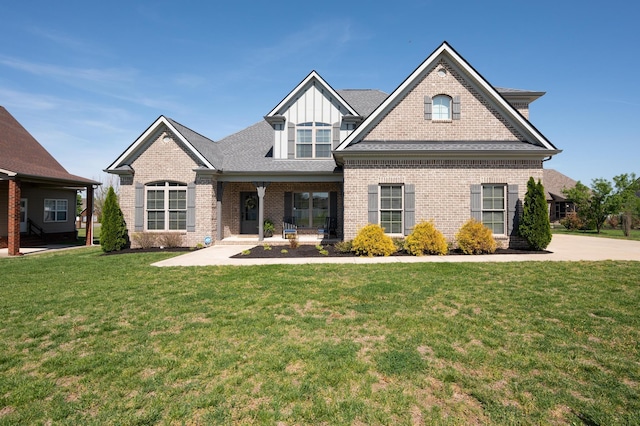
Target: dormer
<point>311,121</point>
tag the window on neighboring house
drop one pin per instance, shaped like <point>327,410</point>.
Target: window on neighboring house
<point>313,140</point>
<point>166,206</point>
<point>391,208</point>
<point>494,208</point>
<point>310,209</point>
<point>441,107</point>
<point>55,210</point>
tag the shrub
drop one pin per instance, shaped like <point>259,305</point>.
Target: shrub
<point>293,242</point>
<point>170,240</point>
<point>425,239</point>
<point>572,221</point>
<point>372,241</point>
<point>399,243</point>
<point>113,234</point>
<point>343,246</point>
<point>145,240</point>
<point>534,226</point>
<point>475,238</point>
<point>613,221</point>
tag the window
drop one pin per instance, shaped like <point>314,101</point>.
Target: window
<point>310,208</point>
<point>55,210</point>
<point>166,206</point>
<point>441,107</point>
<point>493,208</point>
<point>391,208</point>
<point>313,140</point>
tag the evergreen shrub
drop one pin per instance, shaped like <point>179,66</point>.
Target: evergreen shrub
<point>113,233</point>
<point>426,239</point>
<point>475,238</point>
<point>535,226</point>
<point>372,241</point>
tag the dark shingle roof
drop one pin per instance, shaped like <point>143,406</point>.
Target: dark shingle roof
<point>20,153</point>
<point>554,182</point>
<point>205,146</point>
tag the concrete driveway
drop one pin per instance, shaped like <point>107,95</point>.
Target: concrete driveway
<point>563,248</point>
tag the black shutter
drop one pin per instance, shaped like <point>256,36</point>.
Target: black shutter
<point>476,202</point>
<point>191,207</point>
<point>373,204</point>
<point>139,208</point>
<point>291,142</point>
<point>427,107</point>
<point>288,204</point>
<point>409,208</point>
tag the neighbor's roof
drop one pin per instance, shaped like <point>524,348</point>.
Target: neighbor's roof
<point>554,182</point>
<point>21,155</point>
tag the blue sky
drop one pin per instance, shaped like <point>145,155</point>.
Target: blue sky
<point>87,78</point>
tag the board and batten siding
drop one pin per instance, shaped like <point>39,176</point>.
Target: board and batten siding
<point>315,104</point>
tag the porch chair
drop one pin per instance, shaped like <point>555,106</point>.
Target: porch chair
<point>330,228</point>
<point>289,227</point>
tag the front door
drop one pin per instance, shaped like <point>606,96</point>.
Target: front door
<point>248,212</point>
<point>23,215</point>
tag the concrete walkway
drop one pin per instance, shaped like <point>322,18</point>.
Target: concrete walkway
<point>563,248</point>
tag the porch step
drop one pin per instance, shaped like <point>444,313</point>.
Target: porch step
<point>276,240</point>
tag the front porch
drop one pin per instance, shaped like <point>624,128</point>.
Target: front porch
<point>276,240</point>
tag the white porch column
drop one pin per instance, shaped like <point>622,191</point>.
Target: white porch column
<point>262,189</point>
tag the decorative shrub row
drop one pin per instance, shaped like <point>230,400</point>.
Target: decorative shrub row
<point>473,238</point>
<point>147,240</point>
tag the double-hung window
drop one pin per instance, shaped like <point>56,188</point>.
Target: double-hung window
<point>310,209</point>
<point>391,208</point>
<point>493,208</point>
<point>313,140</point>
<point>55,210</point>
<point>166,206</point>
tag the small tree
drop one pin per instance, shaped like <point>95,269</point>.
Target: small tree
<point>113,235</point>
<point>594,205</point>
<point>626,189</point>
<point>535,226</point>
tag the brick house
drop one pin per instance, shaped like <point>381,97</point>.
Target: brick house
<point>445,145</point>
<point>37,194</point>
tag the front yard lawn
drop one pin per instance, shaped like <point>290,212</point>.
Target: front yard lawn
<point>91,339</point>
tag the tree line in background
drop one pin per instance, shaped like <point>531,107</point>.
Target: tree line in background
<point>617,202</point>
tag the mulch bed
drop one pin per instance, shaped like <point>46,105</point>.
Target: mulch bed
<point>258,252</point>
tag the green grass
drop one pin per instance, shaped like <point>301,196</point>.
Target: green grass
<point>604,233</point>
<point>91,339</point>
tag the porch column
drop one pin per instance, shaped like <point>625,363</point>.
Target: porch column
<point>262,188</point>
<point>13,220</point>
<point>89,225</point>
<point>219,194</point>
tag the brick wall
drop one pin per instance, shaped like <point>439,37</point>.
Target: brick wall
<point>479,121</point>
<point>171,161</point>
<point>442,187</point>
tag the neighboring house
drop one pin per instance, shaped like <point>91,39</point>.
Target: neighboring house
<point>554,182</point>
<point>37,195</point>
<point>445,145</point>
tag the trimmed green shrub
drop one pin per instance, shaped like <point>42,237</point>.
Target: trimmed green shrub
<point>113,234</point>
<point>426,239</point>
<point>475,238</point>
<point>535,226</point>
<point>372,241</point>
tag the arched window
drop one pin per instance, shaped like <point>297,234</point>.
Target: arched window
<point>441,107</point>
<point>313,140</point>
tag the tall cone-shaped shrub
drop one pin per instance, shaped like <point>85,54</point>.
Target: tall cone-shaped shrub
<point>535,226</point>
<point>113,232</point>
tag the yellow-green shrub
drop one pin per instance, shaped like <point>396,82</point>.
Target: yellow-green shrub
<point>372,241</point>
<point>475,238</point>
<point>425,239</point>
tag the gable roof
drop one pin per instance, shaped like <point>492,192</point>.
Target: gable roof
<point>554,182</point>
<point>200,146</point>
<point>312,78</point>
<point>536,138</point>
<point>21,155</point>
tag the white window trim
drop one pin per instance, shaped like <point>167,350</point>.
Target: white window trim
<point>504,206</point>
<point>166,187</point>
<point>56,210</point>
<point>449,118</point>
<point>314,126</point>
<point>401,210</point>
